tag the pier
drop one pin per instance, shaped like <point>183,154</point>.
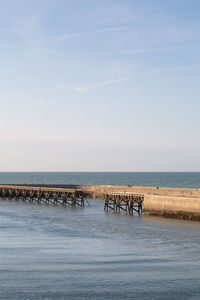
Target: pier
<point>117,201</point>
<point>46,195</point>
<point>157,201</point>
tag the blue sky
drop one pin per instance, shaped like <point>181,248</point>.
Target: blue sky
<point>95,85</point>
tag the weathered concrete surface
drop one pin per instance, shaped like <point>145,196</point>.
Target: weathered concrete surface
<point>168,202</point>
<point>181,207</point>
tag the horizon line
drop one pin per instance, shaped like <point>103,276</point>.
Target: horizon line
<point>99,171</point>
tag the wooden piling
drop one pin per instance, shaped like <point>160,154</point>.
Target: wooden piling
<point>44,195</point>
<point>127,202</point>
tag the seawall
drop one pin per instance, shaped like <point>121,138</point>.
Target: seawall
<point>182,203</point>
<point>178,203</point>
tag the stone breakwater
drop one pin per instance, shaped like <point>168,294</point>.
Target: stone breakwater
<point>182,203</point>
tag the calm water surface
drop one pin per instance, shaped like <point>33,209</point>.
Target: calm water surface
<point>190,180</point>
<point>49,252</point>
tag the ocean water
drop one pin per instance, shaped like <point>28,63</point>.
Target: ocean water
<point>186,180</point>
<point>54,252</point>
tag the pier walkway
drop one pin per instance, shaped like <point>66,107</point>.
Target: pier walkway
<point>45,195</point>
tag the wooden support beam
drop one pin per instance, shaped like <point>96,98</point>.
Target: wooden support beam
<point>124,201</point>
<point>43,195</point>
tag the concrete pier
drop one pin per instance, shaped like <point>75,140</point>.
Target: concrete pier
<point>182,203</point>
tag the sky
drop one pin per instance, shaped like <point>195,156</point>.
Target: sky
<point>99,85</point>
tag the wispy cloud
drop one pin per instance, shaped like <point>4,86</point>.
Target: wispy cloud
<point>92,32</point>
<point>150,50</point>
<point>83,89</point>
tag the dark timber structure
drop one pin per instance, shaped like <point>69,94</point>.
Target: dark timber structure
<point>43,195</point>
<point>128,202</point>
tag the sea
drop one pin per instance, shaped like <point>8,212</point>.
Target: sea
<point>55,252</point>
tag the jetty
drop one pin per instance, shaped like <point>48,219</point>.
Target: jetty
<point>181,203</point>
<point>45,195</point>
